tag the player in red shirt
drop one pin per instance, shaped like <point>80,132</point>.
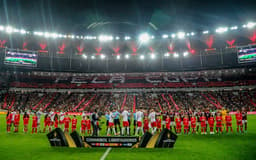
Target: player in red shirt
<point>8,121</point>
<point>66,123</point>
<point>145,125</point>
<point>203,124</point>
<point>239,122</point>
<point>34,123</point>
<point>47,122</point>
<point>83,126</point>
<point>178,124</point>
<point>168,122</point>
<point>25,122</point>
<point>159,124</point>
<point>56,121</point>
<point>16,121</point>
<point>211,124</point>
<point>193,123</point>
<point>219,123</point>
<point>88,125</point>
<point>186,124</point>
<point>74,123</point>
<point>228,119</point>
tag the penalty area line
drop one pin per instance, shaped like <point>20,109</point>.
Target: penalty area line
<point>105,154</point>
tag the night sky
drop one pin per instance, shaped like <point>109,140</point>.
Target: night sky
<point>125,16</point>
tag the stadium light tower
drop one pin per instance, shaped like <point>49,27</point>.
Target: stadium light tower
<point>250,24</point>
<point>153,56</point>
<point>165,36</point>
<point>84,56</point>
<point>118,57</point>
<point>9,29</point>
<point>142,57</point>
<point>92,57</point>
<point>102,56</point>
<point>185,54</point>
<point>221,30</point>
<point>144,38</point>
<point>205,32</point>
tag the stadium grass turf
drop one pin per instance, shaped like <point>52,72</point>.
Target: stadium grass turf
<point>19,146</point>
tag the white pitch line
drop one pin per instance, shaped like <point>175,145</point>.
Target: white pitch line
<point>105,154</point>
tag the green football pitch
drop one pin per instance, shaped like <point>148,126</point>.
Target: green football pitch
<point>19,146</point>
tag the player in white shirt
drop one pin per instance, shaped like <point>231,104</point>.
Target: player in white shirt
<point>38,114</point>
<point>51,115</point>
<point>125,114</point>
<point>139,116</point>
<point>62,115</point>
<point>152,119</point>
<point>111,123</point>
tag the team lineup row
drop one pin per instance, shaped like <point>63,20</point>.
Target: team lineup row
<point>143,121</point>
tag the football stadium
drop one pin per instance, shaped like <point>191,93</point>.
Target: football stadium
<point>132,80</point>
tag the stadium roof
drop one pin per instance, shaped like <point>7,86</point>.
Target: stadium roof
<point>115,16</point>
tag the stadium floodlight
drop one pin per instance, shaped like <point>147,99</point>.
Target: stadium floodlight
<point>22,31</point>
<point>102,56</point>
<point>117,38</point>
<point>234,28</point>
<point>244,26</point>
<point>144,37</point>
<point>127,56</point>
<point>152,37</point>
<point>127,38</point>
<point>54,35</point>
<point>92,57</point>
<point>105,38</point>
<point>1,28</point>
<point>153,56</point>
<point>173,35</point>
<point>60,35</point>
<point>176,55</point>
<point>46,34</point>
<point>192,33</point>
<point>16,30</point>
<point>167,55</point>
<point>118,57</point>
<point>72,36</point>
<point>250,24</point>
<point>9,29</point>
<point>165,36</point>
<point>205,32</point>
<point>77,37</point>
<point>185,54</point>
<point>181,35</point>
<point>142,57</point>
<point>221,29</point>
<point>188,34</point>
<point>84,56</point>
<point>65,36</point>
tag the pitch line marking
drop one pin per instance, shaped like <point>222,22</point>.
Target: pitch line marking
<point>105,154</point>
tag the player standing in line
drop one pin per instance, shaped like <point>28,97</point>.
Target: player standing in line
<point>16,121</point>
<point>117,121</point>
<point>152,118</point>
<point>211,123</point>
<point>13,116</point>
<point>159,123</point>
<point>134,122</point>
<point>203,124</point>
<point>67,120</point>
<point>111,123</point>
<point>8,121</point>
<point>186,124</point>
<point>239,121</point>
<point>168,122</point>
<point>244,119</point>
<point>73,123</point>
<point>83,126</point>
<point>107,118</point>
<point>173,126</point>
<point>228,120</point>
<point>178,124</point>
<point>47,123</point>
<point>51,115</point>
<point>219,123</point>
<point>193,124</point>
<point>88,125</point>
<point>125,115</point>
<point>34,123</point>
<point>207,115</point>
<point>197,114</point>
<point>145,125</point>
<point>56,121</point>
<point>139,116</point>
<point>223,114</point>
<point>38,114</point>
<point>25,122</point>
<point>164,116</point>
<point>61,122</point>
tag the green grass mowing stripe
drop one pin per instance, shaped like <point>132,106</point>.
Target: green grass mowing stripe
<point>27,146</point>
